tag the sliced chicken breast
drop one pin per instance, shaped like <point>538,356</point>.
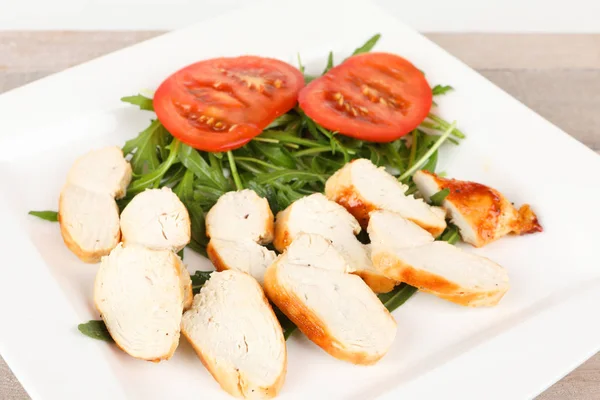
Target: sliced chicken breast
<point>238,225</point>
<point>315,251</point>
<point>334,309</point>
<point>481,213</point>
<point>316,214</point>
<point>362,187</point>
<point>104,171</point>
<point>157,219</point>
<point>242,255</point>
<point>241,215</point>
<point>403,251</point>
<point>89,222</point>
<point>237,336</point>
<point>87,209</point>
<point>141,296</point>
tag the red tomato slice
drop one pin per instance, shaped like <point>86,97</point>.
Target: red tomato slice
<point>377,97</point>
<point>222,103</point>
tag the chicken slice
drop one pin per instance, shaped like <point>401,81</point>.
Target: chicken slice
<point>362,187</point>
<point>316,214</point>
<point>242,255</point>
<point>88,213</point>
<point>104,171</point>
<point>403,251</point>
<point>237,336</point>
<point>482,214</point>
<point>334,309</point>
<point>315,251</point>
<point>241,215</point>
<point>157,219</point>
<point>89,222</point>
<point>141,296</point>
<point>238,225</point>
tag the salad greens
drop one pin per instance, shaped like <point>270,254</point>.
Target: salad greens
<point>51,216</point>
<point>96,329</point>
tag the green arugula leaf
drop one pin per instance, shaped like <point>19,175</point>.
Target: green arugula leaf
<point>139,100</point>
<point>368,46</point>
<point>397,297</point>
<point>96,329</point>
<point>438,198</point>
<point>207,175</point>
<point>450,235</point>
<point>153,179</point>
<point>288,175</point>
<point>287,325</point>
<point>199,278</point>
<point>51,216</point>
<point>234,172</point>
<point>441,89</point>
<point>146,144</point>
<point>329,63</point>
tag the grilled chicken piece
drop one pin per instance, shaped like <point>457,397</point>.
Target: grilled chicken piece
<point>238,225</point>
<point>334,309</point>
<point>237,336</point>
<point>482,214</point>
<point>157,219</point>
<point>89,222</point>
<point>403,251</point>
<point>141,295</point>
<point>87,211</point>
<point>102,171</point>
<point>361,187</point>
<point>315,214</point>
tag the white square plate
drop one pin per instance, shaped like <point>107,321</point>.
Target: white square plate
<point>545,326</point>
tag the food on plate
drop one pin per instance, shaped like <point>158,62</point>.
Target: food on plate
<point>407,253</point>
<point>481,213</point>
<point>87,210</point>
<point>156,219</point>
<point>103,170</point>
<point>238,225</point>
<point>362,187</point>
<point>334,309</point>
<point>222,103</point>
<point>89,222</point>
<point>316,214</point>
<point>237,336</point>
<point>141,296</point>
<point>378,97</point>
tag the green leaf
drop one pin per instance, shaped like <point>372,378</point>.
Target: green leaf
<point>441,89</point>
<point>450,235</point>
<point>300,66</point>
<point>199,278</point>
<point>207,175</point>
<point>437,198</point>
<point>180,254</point>
<point>96,329</point>
<point>146,144</point>
<point>423,159</point>
<point>51,216</point>
<point>368,46</point>
<point>287,325</point>
<point>274,153</point>
<point>444,125</point>
<point>234,172</point>
<point>397,297</point>
<point>139,100</point>
<point>152,179</point>
<point>329,63</point>
<point>288,175</point>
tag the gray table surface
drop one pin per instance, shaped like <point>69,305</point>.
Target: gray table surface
<point>557,76</point>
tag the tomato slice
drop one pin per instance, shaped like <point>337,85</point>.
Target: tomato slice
<point>377,97</point>
<point>221,104</point>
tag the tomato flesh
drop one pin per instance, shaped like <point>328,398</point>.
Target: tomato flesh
<point>378,97</point>
<point>221,104</point>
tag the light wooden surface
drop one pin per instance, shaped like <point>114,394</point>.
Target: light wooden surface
<point>558,76</point>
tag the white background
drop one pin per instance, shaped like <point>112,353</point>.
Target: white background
<point>424,15</point>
